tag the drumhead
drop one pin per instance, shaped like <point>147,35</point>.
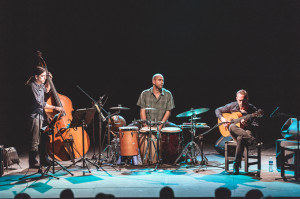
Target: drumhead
<point>147,129</point>
<point>197,126</point>
<point>128,128</point>
<point>171,130</point>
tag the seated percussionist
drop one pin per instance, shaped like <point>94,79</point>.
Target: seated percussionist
<point>158,98</point>
<point>162,102</point>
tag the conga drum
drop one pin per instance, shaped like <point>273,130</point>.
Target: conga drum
<point>170,144</point>
<point>148,150</point>
<point>128,140</point>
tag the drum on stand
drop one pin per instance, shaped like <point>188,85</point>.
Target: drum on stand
<point>115,122</point>
<point>128,140</point>
<point>170,144</point>
<point>144,135</point>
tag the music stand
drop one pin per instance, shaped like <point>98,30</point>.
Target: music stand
<point>82,118</point>
<point>49,130</point>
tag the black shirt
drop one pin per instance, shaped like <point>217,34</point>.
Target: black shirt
<point>36,97</point>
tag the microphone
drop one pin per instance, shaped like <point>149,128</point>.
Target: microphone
<point>101,115</point>
<point>272,114</point>
<point>102,96</point>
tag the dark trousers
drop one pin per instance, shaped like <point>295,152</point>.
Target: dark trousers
<point>37,141</point>
<point>241,137</point>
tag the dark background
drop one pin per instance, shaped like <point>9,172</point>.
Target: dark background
<point>206,50</point>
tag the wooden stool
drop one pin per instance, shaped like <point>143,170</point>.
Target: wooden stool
<point>229,159</point>
<point>285,165</point>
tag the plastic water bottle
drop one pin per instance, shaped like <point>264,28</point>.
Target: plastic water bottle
<point>271,164</point>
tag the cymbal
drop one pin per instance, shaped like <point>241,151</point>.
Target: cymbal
<point>193,112</point>
<point>119,108</point>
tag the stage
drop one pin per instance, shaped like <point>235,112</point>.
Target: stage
<point>187,181</point>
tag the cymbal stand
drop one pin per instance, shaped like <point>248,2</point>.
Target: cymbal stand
<point>111,149</point>
<point>191,149</point>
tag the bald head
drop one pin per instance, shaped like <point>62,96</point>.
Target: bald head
<point>158,81</point>
<point>157,75</point>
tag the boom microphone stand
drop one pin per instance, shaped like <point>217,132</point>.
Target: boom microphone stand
<point>100,109</point>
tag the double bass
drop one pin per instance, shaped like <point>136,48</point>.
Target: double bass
<point>68,142</point>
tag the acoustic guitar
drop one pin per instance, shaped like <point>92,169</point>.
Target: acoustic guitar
<point>235,118</point>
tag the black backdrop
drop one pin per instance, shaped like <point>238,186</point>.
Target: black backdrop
<point>206,50</point>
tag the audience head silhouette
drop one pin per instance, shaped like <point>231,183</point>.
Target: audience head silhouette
<point>22,196</point>
<point>254,194</point>
<point>101,196</point>
<point>67,194</point>
<point>222,192</point>
<point>166,193</point>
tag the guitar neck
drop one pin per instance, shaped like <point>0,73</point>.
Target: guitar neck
<point>238,120</point>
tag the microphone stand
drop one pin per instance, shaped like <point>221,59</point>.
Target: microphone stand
<point>99,108</point>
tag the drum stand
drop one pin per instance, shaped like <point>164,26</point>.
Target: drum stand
<point>111,149</point>
<point>159,161</point>
<point>192,149</point>
<point>150,141</point>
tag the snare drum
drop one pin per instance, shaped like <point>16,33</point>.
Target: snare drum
<point>143,141</point>
<point>128,140</point>
<point>170,144</point>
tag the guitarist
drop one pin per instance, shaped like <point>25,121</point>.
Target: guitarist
<point>241,135</point>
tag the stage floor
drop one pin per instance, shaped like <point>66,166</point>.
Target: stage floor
<point>139,182</point>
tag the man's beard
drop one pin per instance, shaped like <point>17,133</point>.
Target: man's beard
<point>160,89</point>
